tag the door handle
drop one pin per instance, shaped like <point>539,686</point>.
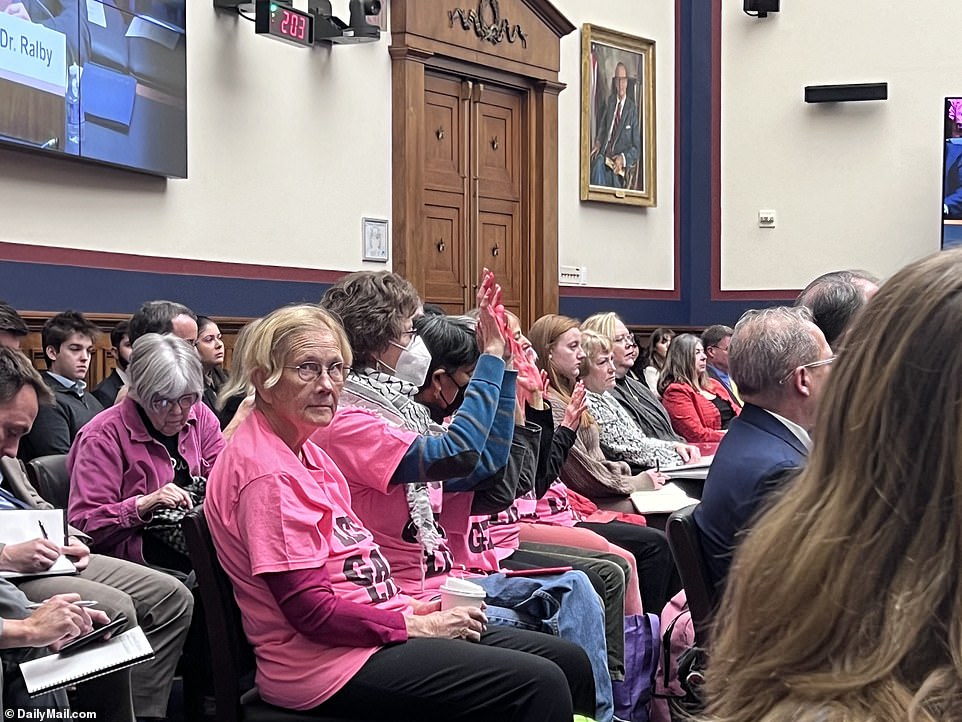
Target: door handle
<point>495,251</point>
<point>440,246</point>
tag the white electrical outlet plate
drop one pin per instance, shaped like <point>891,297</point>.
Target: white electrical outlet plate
<point>766,219</point>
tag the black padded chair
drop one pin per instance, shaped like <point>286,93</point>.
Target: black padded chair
<point>49,477</point>
<point>232,657</point>
<point>683,538</point>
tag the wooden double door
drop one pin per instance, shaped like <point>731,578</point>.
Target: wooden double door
<point>473,213</point>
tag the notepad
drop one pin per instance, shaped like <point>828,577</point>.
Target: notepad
<point>665,500</point>
<point>21,525</point>
<point>54,671</point>
<point>694,470</point>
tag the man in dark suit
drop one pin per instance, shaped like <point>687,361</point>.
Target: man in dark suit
<point>780,361</point>
<point>617,145</point>
<point>716,341</point>
<point>106,391</point>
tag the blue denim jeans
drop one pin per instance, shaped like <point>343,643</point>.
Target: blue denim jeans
<point>564,605</point>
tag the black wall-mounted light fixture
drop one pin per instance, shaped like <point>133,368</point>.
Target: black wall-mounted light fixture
<point>760,8</point>
<point>846,93</point>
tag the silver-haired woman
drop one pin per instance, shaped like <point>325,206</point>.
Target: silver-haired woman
<point>137,467</point>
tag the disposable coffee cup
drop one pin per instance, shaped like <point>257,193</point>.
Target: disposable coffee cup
<point>461,593</point>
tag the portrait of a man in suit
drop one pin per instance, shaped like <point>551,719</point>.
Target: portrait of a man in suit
<point>617,141</point>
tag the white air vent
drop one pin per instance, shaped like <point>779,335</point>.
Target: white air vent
<point>573,275</point>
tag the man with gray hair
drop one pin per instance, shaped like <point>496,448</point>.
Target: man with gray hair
<point>780,361</point>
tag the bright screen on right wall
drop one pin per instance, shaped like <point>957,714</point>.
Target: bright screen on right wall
<point>952,174</point>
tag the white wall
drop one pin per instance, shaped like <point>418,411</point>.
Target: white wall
<point>289,148</point>
<point>637,244</point>
<point>853,184</point>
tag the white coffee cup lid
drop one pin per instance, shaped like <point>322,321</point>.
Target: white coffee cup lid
<point>463,587</point>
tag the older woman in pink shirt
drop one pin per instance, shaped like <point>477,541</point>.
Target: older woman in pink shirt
<point>137,467</point>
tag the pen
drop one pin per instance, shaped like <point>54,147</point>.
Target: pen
<point>80,603</point>
<point>42,530</point>
<point>657,466</point>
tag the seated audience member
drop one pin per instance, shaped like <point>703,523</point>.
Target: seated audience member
<point>160,604</point>
<point>26,634</point>
<point>330,629</point>
<point>163,317</point>
<point>557,342</point>
<point>143,463</point>
<point>780,361</point>
<point>68,341</point>
<point>843,600</point>
<point>12,326</point>
<point>210,348</point>
<point>106,391</point>
<point>716,340</point>
<point>656,354</point>
<point>619,436</point>
<point>633,394</point>
<point>423,532</point>
<point>699,406</point>
<point>835,298</point>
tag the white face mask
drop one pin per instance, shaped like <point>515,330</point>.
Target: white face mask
<point>413,362</point>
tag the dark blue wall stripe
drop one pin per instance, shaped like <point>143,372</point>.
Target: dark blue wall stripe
<point>44,287</point>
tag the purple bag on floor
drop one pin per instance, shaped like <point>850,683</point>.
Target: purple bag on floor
<point>642,650</point>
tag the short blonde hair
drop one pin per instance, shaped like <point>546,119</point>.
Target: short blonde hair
<point>263,344</point>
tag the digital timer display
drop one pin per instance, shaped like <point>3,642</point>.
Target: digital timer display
<point>284,22</point>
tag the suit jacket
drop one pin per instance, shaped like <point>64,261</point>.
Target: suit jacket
<point>106,391</point>
<point>692,415</point>
<point>713,372</point>
<point>952,188</point>
<point>627,137</point>
<point>645,408</point>
<point>16,481</point>
<point>753,459</point>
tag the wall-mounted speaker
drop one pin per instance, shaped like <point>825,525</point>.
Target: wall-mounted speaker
<point>846,93</point>
<point>760,8</point>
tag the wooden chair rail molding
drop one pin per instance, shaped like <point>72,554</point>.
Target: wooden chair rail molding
<point>101,364</point>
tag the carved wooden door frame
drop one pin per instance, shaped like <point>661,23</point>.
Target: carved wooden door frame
<point>515,44</point>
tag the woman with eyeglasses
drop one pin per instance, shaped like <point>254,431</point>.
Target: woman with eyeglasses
<point>700,407</point>
<point>331,628</point>
<point>139,466</point>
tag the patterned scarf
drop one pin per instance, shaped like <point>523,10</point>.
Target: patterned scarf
<point>393,399</point>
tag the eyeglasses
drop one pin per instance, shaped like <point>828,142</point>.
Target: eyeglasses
<point>627,340</point>
<point>410,334</point>
<point>311,370</point>
<point>809,365</point>
<point>165,406</point>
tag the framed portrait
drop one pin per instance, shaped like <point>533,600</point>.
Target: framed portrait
<point>617,117</point>
<point>375,240</point>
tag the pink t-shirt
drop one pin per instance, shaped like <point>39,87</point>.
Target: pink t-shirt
<point>553,508</point>
<point>269,512</point>
<point>468,535</point>
<point>367,449</point>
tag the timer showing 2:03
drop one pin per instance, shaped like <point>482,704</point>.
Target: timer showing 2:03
<point>284,22</point>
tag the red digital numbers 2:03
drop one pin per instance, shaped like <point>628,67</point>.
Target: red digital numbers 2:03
<point>293,24</point>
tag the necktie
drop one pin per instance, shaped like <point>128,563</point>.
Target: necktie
<point>615,127</point>
<point>9,501</point>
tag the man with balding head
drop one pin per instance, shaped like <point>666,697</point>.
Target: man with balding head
<point>780,361</point>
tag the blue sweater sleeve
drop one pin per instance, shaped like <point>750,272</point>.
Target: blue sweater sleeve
<point>457,452</point>
<point>497,448</point>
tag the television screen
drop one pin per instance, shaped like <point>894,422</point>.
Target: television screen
<point>952,174</point>
<point>103,80</point>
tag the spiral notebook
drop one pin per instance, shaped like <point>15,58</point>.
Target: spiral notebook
<point>56,671</point>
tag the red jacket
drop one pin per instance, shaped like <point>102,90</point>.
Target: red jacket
<point>692,415</point>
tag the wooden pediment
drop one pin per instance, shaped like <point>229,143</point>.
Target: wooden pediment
<point>518,36</point>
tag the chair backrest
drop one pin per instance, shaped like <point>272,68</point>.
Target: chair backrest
<point>683,538</point>
<point>50,478</point>
<point>231,655</point>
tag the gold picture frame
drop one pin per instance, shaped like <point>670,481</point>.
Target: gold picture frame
<point>617,117</point>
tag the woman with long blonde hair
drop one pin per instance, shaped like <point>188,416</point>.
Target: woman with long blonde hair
<point>845,600</point>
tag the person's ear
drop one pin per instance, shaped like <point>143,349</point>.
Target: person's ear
<point>257,379</point>
<point>51,353</point>
<point>803,382</point>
